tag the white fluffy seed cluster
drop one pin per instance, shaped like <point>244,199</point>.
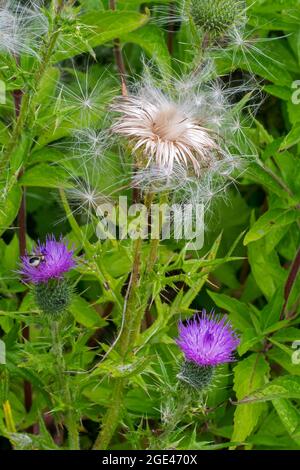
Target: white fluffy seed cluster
<point>186,138</point>
<point>21,27</point>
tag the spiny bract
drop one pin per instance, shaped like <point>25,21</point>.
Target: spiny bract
<point>53,297</point>
<point>216,16</point>
<point>196,376</point>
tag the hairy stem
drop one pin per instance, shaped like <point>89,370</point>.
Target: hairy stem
<point>135,304</point>
<point>132,313</point>
<point>112,416</point>
<point>132,303</point>
<point>64,389</point>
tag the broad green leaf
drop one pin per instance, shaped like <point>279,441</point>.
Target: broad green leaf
<point>270,6</point>
<point>152,40</point>
<point>46,176</point>
<point>269,221</point>
<point>249,375</point>
<point>266,268</point>
<point>284,93</point>
<point>96,28</point>
<point>287,386</point>
<point>10,208</point>
<point>284,357</point>
<point>270,314</point>
<point>287,335</point>
<point>260,175</point>
<point>292,138</point>
<point>46,92</point>
<point>249,339</point>
<point>239,312</point>
<point>290,417</point>
<point>46,154</point>
<point>85,314</point>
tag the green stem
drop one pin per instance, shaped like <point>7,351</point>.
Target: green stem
<point>64,389</point>
<point>132,322</point>
<point>132,304</point>
<point>112,416</point>
<point>134,308</point>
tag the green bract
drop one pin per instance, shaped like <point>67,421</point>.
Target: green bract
<point>199,377</point>
<point>216,17</point>
<point>53,297</point>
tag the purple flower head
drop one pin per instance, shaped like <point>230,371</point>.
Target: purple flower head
<point>207,340</point>
<point>49,260</point>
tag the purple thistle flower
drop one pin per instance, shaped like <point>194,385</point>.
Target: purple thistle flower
<point>207,340</point>
<point>49,260</point>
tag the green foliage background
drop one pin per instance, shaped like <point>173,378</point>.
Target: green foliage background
<point>247,268</point>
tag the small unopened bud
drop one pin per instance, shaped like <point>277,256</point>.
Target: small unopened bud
<point>216,17</point>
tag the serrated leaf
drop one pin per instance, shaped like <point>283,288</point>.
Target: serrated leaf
<point>272,219</point>
<point>96,28</point>
<point>249,374</point>
<point>290,417</point>
<point>292,138</point>
<point>287,386</point>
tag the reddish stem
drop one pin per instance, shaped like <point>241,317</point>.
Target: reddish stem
<point>171,30</point>
<point>119,56</point>
<point>290,284</point>
<point>17,96</point>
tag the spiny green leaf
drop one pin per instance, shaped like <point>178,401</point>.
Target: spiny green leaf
<point>96,28</point>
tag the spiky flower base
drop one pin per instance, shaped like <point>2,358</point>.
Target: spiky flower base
<point>199,377</point>
<point>216,17</point>
<point>53,297</point>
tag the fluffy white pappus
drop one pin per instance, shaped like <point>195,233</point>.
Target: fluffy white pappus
<point>22,27</point>
<point>159,179</point>
<point>165,131</point>
<point>89,145</point>
<point>85,199</point>
<point>85,99</point>
<point>190,129</point>
<point>249,50</point>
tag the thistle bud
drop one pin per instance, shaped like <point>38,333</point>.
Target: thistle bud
<point>216,17</point>
<point>53,297</point>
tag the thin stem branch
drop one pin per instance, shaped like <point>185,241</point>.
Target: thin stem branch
<point>171,29</point>
<point>119,56</point>
<point>27,387</point>
<point>295,268</point>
